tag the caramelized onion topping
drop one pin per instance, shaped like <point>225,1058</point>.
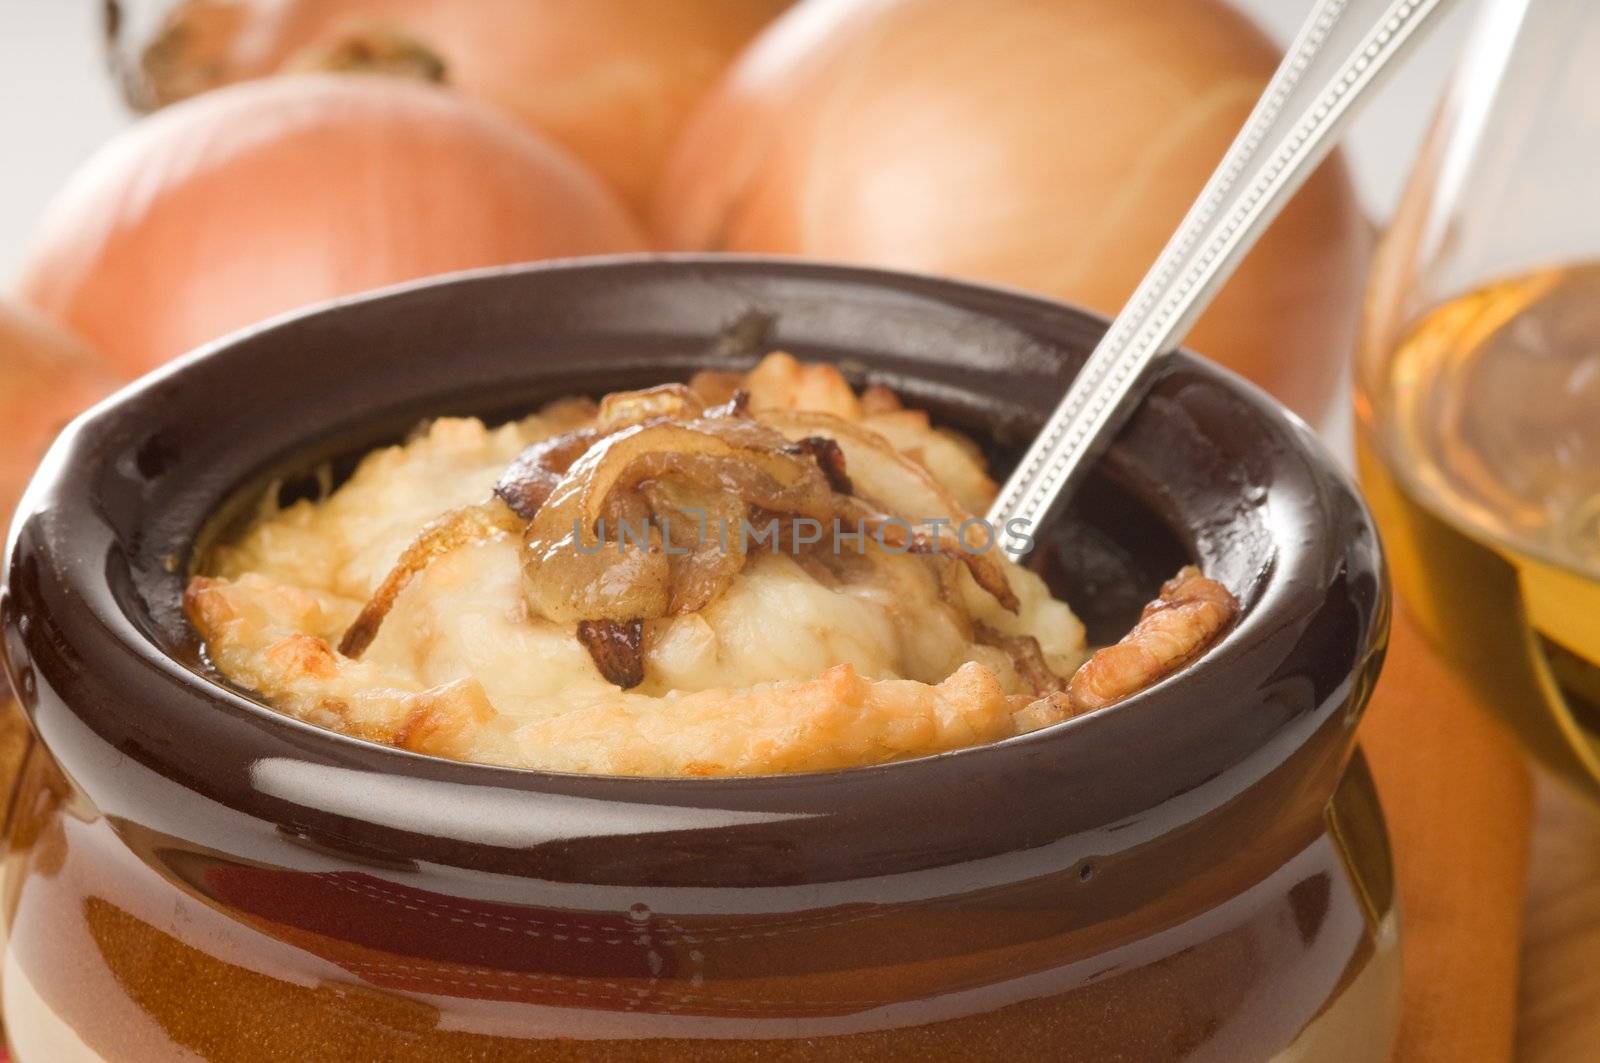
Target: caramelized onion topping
<point>943,540</point>
<point>616,646</point>
<point>717,385</point>
<point>623,408</point>
<point>882,477</point>
<point>534,473</point>
<point>829,458</point>
<point>1026,657</point>
<point>594,550</point>
<point>453,530</point>
<point>641,515</point>
<point>703,525</point>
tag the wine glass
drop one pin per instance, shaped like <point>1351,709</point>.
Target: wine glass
<point>1478,380</point>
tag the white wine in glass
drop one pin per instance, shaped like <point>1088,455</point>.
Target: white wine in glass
<point>1478,385</point>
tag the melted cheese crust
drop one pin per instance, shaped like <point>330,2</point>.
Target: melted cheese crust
<point>795,667</point>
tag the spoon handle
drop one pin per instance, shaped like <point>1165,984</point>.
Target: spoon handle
<point>1334,59</point>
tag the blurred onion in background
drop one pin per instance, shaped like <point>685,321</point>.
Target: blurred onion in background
<point>609,80</point>
<point>1050,146</point>
<point>1044,144</point>
<point>264,197</point>
<point>46,378</point>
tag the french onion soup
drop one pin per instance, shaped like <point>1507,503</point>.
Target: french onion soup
<point>747,574</point>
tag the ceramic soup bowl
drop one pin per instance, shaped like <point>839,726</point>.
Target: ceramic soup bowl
<point>1198,872</point>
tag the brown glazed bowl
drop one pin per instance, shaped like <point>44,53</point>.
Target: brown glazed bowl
<point>1199,872</point>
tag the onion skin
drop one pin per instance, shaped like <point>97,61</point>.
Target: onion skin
<point>1045,145</point>
<point>255,200</point>
<point>610,80</point>
<point>46,378</point>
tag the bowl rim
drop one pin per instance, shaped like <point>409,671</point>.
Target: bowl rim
<point>67,558</point>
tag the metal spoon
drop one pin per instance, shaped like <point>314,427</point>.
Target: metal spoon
<point>1334,60</point>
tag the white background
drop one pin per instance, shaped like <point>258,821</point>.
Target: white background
<point>57,105</point>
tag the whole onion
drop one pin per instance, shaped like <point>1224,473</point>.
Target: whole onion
<point>264,197</point>
<point>46,378</point>
<point>1046,144</point>
<point>610,80</point>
